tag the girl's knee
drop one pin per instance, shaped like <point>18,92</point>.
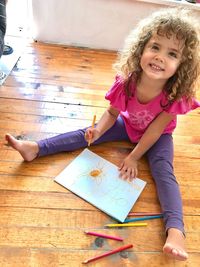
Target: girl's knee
<point>162,169</point>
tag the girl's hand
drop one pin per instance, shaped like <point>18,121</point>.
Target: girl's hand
<point>128,168</point>
<point>92,134</point>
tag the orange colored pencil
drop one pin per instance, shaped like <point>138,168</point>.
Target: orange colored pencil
<point>93,123</point>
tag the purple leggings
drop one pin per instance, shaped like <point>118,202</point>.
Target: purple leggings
<point>160,157</point>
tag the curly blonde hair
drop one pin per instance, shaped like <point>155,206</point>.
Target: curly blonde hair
<point>168,22</point>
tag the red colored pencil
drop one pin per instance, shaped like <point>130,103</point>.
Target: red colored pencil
<point>105,236</point>
<point>108,253</point>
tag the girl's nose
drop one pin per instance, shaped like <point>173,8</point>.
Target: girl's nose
<point>159,58</point>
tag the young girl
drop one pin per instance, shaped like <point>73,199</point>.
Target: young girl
<point>157,75</point>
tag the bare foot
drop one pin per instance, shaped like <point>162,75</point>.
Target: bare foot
<point>175,245</point>
<point>27,149</point>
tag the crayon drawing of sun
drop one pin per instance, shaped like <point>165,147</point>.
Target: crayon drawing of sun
<point>97,173</point>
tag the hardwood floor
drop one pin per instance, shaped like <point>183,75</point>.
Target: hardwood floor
<point>53,89</point>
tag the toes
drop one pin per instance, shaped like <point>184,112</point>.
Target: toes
<point>167,249</point>
<point>175,253</point>
<point>7,137</point>
<point>179,255</point>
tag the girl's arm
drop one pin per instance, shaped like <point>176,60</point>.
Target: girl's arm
<point>106,122</point>
<point>152,134</point>
<point>128,169</point>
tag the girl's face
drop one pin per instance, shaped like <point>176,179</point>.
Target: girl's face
<point>161,57</point>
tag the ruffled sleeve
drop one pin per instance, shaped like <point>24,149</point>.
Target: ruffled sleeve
<point>116,94</point>
<point>182,106</point>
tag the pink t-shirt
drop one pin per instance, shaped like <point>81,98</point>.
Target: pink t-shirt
<point>137,116</point>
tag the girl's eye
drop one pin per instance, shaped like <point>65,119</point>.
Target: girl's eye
<point>172,54</point>
<point>154,47</point>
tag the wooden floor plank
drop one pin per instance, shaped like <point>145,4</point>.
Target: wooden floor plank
<point>23,257</point>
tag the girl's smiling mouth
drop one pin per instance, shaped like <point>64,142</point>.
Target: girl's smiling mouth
<point>155,67</point>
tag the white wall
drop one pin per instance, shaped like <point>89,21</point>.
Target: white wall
<point>18,17</point>
<point>89,23</point>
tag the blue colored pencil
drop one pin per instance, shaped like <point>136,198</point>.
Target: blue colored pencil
<point>143,218</point>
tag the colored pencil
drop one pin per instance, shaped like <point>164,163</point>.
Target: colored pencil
<point>144,213</point>
<point>125,224</point>
<point>105,236</point>
<point>108,253</point>
<point>143,218</point>
<point>93,123</point>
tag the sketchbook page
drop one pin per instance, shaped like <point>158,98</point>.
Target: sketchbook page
<point>97,181</point>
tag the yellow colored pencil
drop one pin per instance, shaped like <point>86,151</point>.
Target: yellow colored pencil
<point>125,224</point>
<point>93,123</point>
